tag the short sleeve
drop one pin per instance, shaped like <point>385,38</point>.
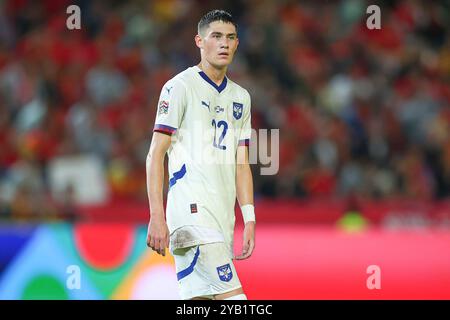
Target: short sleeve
<point>171,107</point>
<point>246,129</point>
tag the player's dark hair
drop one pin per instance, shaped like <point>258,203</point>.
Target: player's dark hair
<point>215,15</point>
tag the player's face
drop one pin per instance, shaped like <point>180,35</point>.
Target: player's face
<point>219,43</point>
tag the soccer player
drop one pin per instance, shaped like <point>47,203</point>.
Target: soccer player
<point>203,122</point>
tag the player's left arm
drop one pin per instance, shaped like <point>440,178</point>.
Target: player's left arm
<point>244,189</point>
<point>244,184</point>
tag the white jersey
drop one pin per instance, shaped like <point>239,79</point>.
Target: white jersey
<point>207,123</point>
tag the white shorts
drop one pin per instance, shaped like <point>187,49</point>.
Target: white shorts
<point>205,270</point>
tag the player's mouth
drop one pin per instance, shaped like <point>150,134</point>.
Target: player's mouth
<point>223,55</point>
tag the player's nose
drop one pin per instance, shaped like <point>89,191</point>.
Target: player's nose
<point>224,43</point>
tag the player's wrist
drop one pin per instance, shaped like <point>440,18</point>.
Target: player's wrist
<point>157,215</point>
<point>248,213</point>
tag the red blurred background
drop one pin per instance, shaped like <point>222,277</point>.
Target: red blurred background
<point>364,119</point>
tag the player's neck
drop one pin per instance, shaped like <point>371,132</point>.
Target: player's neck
<point>216,75</point>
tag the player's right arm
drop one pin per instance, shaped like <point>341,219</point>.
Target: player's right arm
<point>158,233</point>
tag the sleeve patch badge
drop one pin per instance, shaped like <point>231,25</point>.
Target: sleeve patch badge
<point>163,107</point>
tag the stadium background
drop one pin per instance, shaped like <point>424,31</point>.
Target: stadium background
<point>364,119</point>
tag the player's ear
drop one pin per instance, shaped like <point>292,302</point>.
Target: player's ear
<point>198,41</point>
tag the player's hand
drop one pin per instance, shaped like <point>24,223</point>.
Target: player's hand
<point>158,235</point>
<point>249,241</point>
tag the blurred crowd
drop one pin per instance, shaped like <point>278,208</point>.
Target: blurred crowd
<point>361,112</point>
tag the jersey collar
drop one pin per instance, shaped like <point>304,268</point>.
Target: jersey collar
<point>219,88</point>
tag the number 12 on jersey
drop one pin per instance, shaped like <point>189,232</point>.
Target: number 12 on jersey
<point>220,124</point>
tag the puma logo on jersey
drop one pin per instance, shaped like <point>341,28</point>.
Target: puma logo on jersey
<point>205,104</point>
<point>168,89</point>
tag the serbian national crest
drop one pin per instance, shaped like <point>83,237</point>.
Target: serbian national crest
<point>237,110</point>
<point>225,272</point>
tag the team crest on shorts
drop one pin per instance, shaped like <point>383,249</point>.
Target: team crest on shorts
<point>163,107</point>
<point>225,272</point>
<point>237,110</point>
